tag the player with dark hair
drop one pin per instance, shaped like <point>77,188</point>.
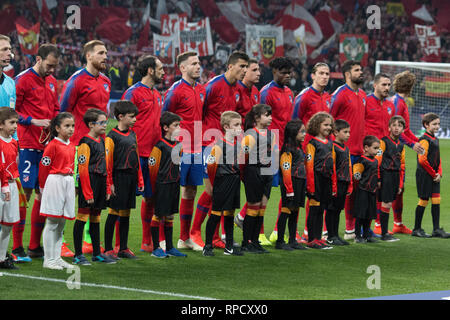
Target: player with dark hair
<point>149,102</point>
<point>278,95</point>
<point>247,88</point>
<point>36,104</point>
<point>221,95</point>
<point>185,98</point>
<point>348,102</point>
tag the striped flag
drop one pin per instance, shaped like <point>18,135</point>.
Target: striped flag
<point>196,36</point>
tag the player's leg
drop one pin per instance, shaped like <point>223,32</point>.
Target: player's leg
<point>110,225</point>
<point>78,229</point>
<point>438,231</point>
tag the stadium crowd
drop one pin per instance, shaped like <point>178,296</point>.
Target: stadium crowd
<point>395,41</point>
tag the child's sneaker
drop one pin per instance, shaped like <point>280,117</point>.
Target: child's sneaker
<point>127,254</point>
<point>19,255</point>
<point>420,233</point>
<point>8,263</point>
<point>440,233</point>
<point>81,260</point>
<point>35,253</point>
<point>263,240</point>
<point>388,238</point>
<point>208,251</point>
<point>111,254</point>
<point>283,246</point>
<point>159,253</point>
<point>175,253</point>
<point>234,251</point>
<point>104,259</point>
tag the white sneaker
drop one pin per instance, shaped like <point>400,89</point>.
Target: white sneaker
<point>187,244</point>
<point>64,264</point>
<point>162,245</point>
<point>52,264</point>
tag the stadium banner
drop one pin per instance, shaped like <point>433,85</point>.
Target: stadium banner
<point>437,87</point>
<point>196,36</point>
<point>395,8</point>
<point>354,47</point>
<point>430,42</point>
<point>164,48</point>
<point>223,51</point>
<point>28,38</point>
<point>264,42</point>
<point>170,24</point>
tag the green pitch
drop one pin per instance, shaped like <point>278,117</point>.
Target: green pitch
<point>410,265</point>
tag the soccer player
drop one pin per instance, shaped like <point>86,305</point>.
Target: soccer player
<point>403,84</point>
<point>36,104</point>
<point>149,103</point>
<point>221,95</point>
<point>7,86</point>
<point>247,88</point>
<point>379,109</point>
<point>278,95</point>
<point>348,103</point>
<point>185,98</point>
<point>87,88</point>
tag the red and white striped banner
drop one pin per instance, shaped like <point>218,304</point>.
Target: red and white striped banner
<point>196,36</point>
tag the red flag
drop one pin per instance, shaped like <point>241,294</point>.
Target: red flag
<point>7,25</point>
<point>143,38</point>
<point>45,13</point>
<point>115,29</point>
<point>60,17</point>
<point>28,38</point>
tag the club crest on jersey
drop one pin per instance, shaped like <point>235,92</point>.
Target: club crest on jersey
<point>328,104</point>
<point>290,99</point>
<point>202,97</point>
<point>255,97</point>
<point>52,87</point>
<point>46,161</point>
<point>389,110</point>
<point>106,87</point>
<point>237,97</point>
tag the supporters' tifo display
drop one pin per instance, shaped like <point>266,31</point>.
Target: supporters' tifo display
<point>326,152</point>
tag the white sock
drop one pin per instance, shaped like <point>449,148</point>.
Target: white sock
<point>4,241</point>
<point>59,238</point>
<point>48,237</point>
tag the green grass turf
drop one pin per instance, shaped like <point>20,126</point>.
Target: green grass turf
<point>410,265</point>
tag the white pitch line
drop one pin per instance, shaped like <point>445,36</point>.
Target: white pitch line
<point>180,295</point>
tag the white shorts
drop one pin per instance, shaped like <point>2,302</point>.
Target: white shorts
<point>58,197</point>
<point>9,210</point>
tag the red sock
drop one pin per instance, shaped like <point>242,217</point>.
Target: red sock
<point>261,231</point>
<point>397,208</point>
<point>222,222</point>
<point>18,229</point>
<point>37,225</point>
<point>324,223</point>
<point>203,206</point>
<point>243,211</point>
<point>162,236</point>
<point>305,229</point>
<point>349,219</point>
<point>279,212</point>
<point>147,210</point>
<point>186,210</point>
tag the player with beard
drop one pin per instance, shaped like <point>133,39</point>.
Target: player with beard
<point>149,103</point>
<point>36,104</point>
<point>87,88</point>
<point>185,98</point>
<point>278,95</point>
<point>348,103</point>
<point>221,95</point>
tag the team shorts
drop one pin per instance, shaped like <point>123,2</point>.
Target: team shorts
<point>58,197</point>
<point>29,160</point>
<point>299,186</point>
<point>167,199</point>
<point>148,193</point>
<point>98,186</point>
<point>9,210</point>
<point>323,189</point>
<point>390,182</point>
<point>338,203</point>
<point>426,187</point>
<point>256,185</point>
<point>125,182</point>
<point>192,169</point>
<point>365,205</point>
<point>226,193</point>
